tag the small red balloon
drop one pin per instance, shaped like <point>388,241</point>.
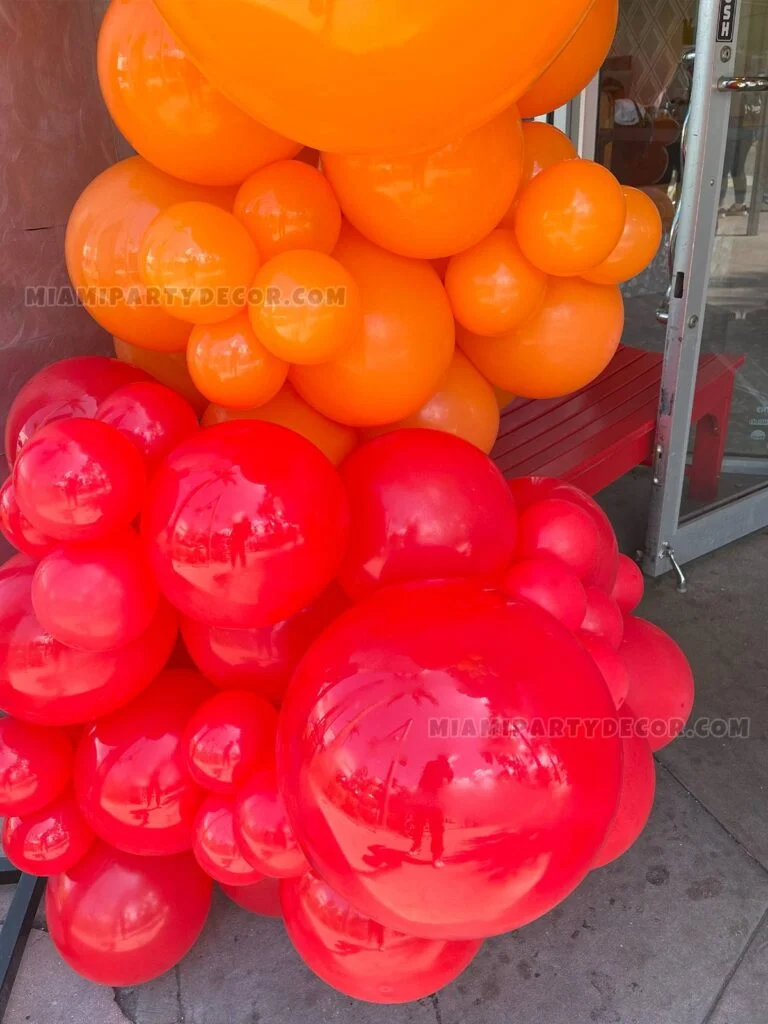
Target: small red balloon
<point>262,897</point>
<point>131,777</point>
<point>218,851</point>
<point>118,919</point>
<point>153,417</point>
<point>263,829</point>
<point>558,528</point>
<point>603,617</point>
<point>629,586</point>
<point>96,596</point>
<point>550,584</point>
<point>611,665</point>
<point>359,957</point>
<point>35,766</point>
<point>229,737</point>
<point>49,840</point>
<point>79,480</point>
<point>17,529</point>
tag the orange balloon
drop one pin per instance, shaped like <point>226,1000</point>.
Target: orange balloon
<point>200,261</point>
<point>168,111</point>
<point>305,307</point>
<point>503,398</point>
<point>492,286</point>
<point>576,65</point>
<point>392,76</point>
<point>570,217</point>
<point>543,145</point>
<point>289,410</point>
<point>404,348</point>
<point>561,349</point>
<point>231,367</point>
<point>170,368</point>
<point>638,244</point>
<point>104,233</point>
<point>289,205</point>
<point>436,203</point>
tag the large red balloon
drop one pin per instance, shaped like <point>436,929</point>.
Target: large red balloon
<point>424,504</point>
<point>152,416</point>
<point>358,956</point>
<point>44,681</point>
<point>131,776</point>
<point>17,529</point>
<point>550,584</point>
<point>35,766</point>
<point>262,897</point>
<point>263,829</point>
<point>217,849</point>
<point>50,840</point>
<point>119,919</point>
<point>420,771</point>
<point>629,586</point>
<point>660,680</point>
<point>603,617</point>
<point>71,387</point>
<point>246,523</point>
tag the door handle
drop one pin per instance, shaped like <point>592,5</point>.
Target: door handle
<point>744,83</point>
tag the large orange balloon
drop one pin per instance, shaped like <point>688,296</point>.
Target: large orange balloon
<point>560,349</point>
<point>104,233</point>
<point>576,65</point>
<point>289,205</point>
<point>230,366</point>
<point>638,244</point>
<point>289,410</point>
<point>492,286</point>
<point>200,261</point>
<point>305,307</point>
<point>170,368</point>
<point>570,217</point>
<point>404,348</point>
<point>543,145</point>
<point>436,203</point>
<point>168,111</point>
<point>390,77</point>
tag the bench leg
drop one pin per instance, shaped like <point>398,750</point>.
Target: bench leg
<point>708,451</point>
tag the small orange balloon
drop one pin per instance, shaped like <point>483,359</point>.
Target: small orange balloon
<point>638,244</point>
<point>570,217</point>
<point>231,367</point>
<point>543,145</point>
<point>405,346</point>
<point>104,233</point>
<point>560,349</point>
<point>287,409</point>
<point>436,203</point>
<point>305,307</point>
<point>168,111</point>
<point>169,368</point>
<point>492,286</point>
<point>576,65</point>
<point>288,205</point>
<point>200,262</point>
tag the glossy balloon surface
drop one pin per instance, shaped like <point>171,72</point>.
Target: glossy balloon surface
<point>628,588</point>
<point>262,897</point>
<point>264,830</point>
<point>435,203</point>
<point>215,846</point>
<point>49,840</point>
<point>169,368</point>
<point>17,529</point>
<point>550,584</point>
<point>610,663</point>
<point>639,242</point>
<point>118,919</point>
<point>79,480</point>
<point>168,111</point>
<point>603,617</point>
<point>35,766</point>
<point>361,958</point>
<point>424,504</point>
<point>154,418</point>
<point>246,524</point>
<point>543,145</point>
<point>131,775</point>
<point>228,737</point>
<point>559,529</point>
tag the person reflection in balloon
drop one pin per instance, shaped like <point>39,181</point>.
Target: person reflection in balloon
<point>428,812</point>
<point>241,531</point>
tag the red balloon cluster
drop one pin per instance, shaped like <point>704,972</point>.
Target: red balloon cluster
<point>407,726</point>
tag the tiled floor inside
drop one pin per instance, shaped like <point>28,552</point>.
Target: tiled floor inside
<point>676,932</point>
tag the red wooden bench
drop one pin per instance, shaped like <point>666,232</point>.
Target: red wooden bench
<point>594,436</point>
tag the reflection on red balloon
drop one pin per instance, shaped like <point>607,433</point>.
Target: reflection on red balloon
<point>228,737</point>
<point>558,528</point>
<point>152,416</point>
<point>603,617</point>
<point>550,584</point>
<point>35,766</point>
<point>17,529</point>
<point>49,840</point>
<point>610,663</point>
<point>628,589</point>
<point>262,897</point>
<point>263,829</point>
<point>118,919</point>
<point>216,847</point>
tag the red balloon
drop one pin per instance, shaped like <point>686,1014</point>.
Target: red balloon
<point>262,659</point>
<point>603,617</point>
<point>152,416</point>
<point>358,956</point>
<point>229,737</point>
<point>79,480</point>
<point>96,596</point>
<point>629,586</point>
<point>660,680</point>
<point>262,897</point>
<point>71,387</point>
<point>638,786</point>
<point>558,528</point>
<point>550,584</point>
<point>17,529</point>
<point>263,828</point>
<point>419,769</point>
<point>50,840</point>
<point>118,919</point>
<point>216,847</point>
<point>35,766</point>
<point>611,665</point>
<point>44,681</point>
<point>246,523</point>
<point>131,776</point>
<point>424,504</point>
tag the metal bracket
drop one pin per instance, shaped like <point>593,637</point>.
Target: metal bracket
<point>682,582</point>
